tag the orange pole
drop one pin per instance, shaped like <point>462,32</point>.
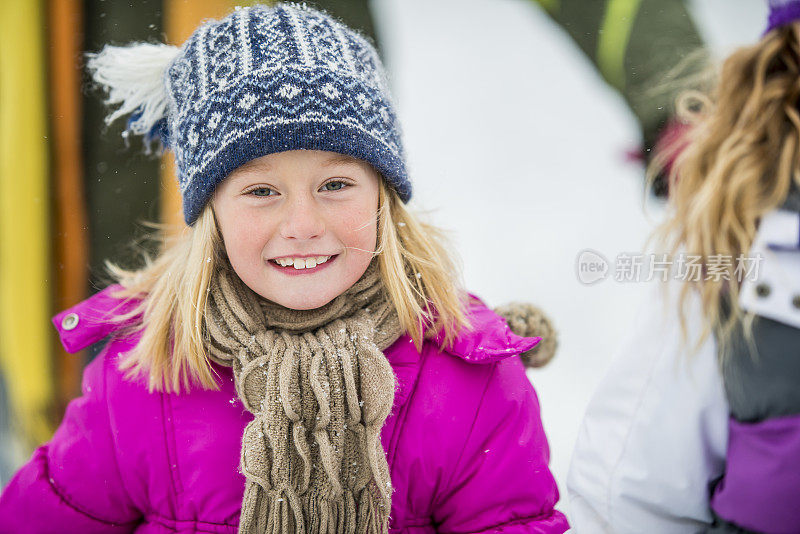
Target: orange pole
<point>70,240</point>
<point>181,18</point>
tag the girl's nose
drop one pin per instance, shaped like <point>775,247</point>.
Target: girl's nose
<point>302,219</point>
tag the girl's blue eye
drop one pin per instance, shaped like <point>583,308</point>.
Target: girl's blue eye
<point>342,185</point>
<point>259,189</point>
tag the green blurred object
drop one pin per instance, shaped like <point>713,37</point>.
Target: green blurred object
<point>634,44</point>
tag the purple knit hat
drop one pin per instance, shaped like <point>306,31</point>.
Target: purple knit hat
<point>782,12</point>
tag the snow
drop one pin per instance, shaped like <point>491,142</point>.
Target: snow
<point>516,145</point>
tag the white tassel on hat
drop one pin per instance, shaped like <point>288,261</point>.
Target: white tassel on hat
<point>133,75</point>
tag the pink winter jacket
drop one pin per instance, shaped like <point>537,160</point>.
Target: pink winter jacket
<point>464,442</point>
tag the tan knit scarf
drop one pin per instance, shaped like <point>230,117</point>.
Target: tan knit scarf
<point>320,389</point>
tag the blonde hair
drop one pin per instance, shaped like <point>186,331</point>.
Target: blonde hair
<point>421,274</point>
<point>741,156</point>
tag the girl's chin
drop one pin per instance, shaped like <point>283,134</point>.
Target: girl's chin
<point>304,297</point>
<point>303,304</point>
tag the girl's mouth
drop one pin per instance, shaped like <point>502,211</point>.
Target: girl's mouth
<point>294,271</point>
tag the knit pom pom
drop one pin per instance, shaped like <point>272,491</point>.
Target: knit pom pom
<point>133,75</point>
<point>527,320</point>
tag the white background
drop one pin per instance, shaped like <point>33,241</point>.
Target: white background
<point>516,145</point>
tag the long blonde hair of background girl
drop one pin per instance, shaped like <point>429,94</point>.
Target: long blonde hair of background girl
<point>415,263</point>
<point>743,153</point>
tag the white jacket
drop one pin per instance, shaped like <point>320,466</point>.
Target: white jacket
<point>654,433</point>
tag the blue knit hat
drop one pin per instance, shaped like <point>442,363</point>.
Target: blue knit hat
<point>264,79</point>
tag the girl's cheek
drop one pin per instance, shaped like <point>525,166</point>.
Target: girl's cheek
<point>250,223</point>
<point>360,225</point>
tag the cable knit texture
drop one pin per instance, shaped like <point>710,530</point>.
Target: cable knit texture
<point>320,389</point>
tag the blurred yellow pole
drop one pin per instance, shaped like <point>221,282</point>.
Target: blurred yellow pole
<point>25,280</point>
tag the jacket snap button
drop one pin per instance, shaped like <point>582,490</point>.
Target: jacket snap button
<point>796,302</point>
<point>70,321</point>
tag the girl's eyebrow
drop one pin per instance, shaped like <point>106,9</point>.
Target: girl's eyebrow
<point>252,165</point>
<point>341,159</point>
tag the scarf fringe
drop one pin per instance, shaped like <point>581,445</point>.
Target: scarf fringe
<point>320,389</point>
<point>280,511</point>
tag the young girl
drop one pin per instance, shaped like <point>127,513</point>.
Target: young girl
<point>696,427</point>
<point>301,359</point>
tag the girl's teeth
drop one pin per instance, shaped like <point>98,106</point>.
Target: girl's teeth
<point>303,263</point>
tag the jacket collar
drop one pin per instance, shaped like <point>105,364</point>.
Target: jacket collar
<point>87,322</point>
<point>488,341</point>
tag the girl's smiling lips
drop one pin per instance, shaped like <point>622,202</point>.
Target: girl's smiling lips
<point>291,271</point>
<point>301,256</point>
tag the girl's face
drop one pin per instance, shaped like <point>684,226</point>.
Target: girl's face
<point>313,210</point>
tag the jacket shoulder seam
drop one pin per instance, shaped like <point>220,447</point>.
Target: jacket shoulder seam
<point>171,445</point>
<point>105,354</point>
<point>403,414</point>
